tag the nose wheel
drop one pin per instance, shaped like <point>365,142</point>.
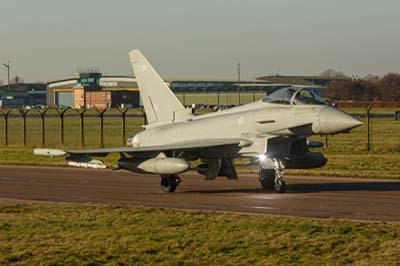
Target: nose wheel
<point>169,183</point>
<point>280,186</point>
<point>267,178</point>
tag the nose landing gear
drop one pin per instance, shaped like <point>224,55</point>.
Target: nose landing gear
<point>273,177</point>
<point>169,183</point>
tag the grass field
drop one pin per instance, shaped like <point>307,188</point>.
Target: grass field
<point>347,153</point>
<point>69,234</point>
<point>66,234</point>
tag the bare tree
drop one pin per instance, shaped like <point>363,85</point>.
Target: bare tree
<point>371,78</point>
<point>16,80</point>
<point>352,90</point>
<point>389,86</point>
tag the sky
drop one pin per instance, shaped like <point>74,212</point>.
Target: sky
<point>48,40</point>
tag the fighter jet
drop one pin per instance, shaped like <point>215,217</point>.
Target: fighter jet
<point>271,132</point>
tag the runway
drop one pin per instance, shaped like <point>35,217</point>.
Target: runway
<point>322,197</point>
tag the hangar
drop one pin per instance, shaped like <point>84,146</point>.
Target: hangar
<point>215,84</point>
<point>19,95</point>
<point>92,90</point>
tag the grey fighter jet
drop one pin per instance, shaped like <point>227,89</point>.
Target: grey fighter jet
<point>272,132</point>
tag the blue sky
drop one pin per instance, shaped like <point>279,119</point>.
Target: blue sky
<point>47,40</point>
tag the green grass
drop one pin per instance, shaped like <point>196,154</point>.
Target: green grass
<point>224,98</point>
<point>67,234</point>
<point>112,130</point>
<point>347,153</point>
<point>357,165</point>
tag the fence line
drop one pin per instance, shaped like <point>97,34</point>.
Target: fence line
<point>61,114</point>
<point>101,114</point>
<point>218,98</point>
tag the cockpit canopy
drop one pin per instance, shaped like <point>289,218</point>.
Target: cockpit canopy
<point>294,96</point>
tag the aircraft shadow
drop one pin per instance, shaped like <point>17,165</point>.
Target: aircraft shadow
<point>345,186</point>
<point>315,187</point>
<point>233,190</point>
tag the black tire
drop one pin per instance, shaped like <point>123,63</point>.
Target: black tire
<point>280,186</point>
<point>267,178</point>
<point>169,183</point>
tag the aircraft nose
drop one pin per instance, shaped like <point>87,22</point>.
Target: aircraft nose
<point>333,121</point>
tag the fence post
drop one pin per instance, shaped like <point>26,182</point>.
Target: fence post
<point>81,112</point>
<point>5,116</point>
<point>123,116</point>
<point>326,141</point>
<point>42,113</point>
<point>23,113</point>
<point>368,109</point>
<point>101,116</point>
<point>61,113</point>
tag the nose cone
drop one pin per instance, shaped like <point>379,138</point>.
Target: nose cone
<point>332,121</point>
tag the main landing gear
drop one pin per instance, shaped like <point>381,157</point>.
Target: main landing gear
<point>273,178</point>
<point>169,183</point>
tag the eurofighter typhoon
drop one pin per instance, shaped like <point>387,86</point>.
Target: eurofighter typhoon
<point>272,132</point>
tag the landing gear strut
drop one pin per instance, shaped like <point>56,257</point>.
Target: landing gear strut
<point>280,185</point>
<point>169,183</point>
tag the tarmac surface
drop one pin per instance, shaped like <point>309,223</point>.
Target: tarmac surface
<point>320,197</point>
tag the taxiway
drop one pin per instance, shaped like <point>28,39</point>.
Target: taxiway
<point>321,197</point>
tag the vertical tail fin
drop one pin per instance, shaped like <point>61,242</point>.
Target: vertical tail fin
<point>160,103</point>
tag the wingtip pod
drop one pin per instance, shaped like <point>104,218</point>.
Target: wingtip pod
<point>49,152</point>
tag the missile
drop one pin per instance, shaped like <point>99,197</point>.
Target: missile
<point>86,162</point>
<point>87,165</point>
<point>49,152</point>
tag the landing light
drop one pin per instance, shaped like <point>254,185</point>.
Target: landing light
<point>262,157</point>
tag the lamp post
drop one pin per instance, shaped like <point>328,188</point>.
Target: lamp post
<point>8,73</point>
<point>238,87</point>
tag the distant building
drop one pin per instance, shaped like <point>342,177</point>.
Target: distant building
<point>92,90</point>
<point>317,83</point>
<point>23,95</point>
<point>215,84</point>
<point>303,80</point>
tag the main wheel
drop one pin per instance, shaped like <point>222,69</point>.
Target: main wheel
<point>280,186</point>
<point>169,183</point>
<point>267,178</point>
